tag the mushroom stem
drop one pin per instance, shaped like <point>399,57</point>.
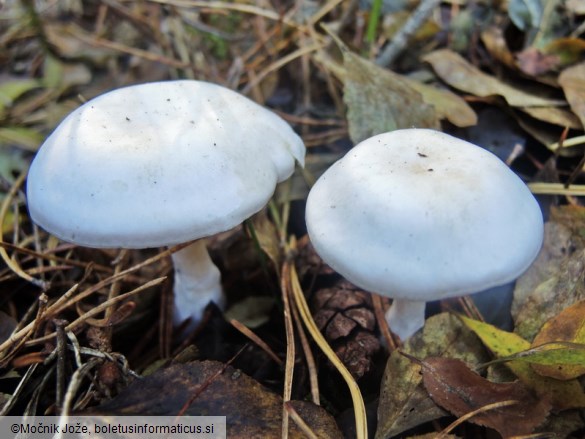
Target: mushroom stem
<point>197,282</point>
<point>405,317</point>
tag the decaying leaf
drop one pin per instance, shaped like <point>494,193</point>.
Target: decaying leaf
<point>572,80</point>
<point>251,311</point>
<point>460,74</point>
<point>534,62</point>
<point>404,403</point>
<point>556,279</point>
<point>447,105</point>
<point>265,234</point>
<point>209,388</point>
<point>569,49</point>
<point>453,386</point>
<point>379,100</point>
<point>562,394</point>
<point>569,326</point>
<point>495,42</point>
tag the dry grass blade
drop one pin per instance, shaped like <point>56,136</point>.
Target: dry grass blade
<point>325,9</point>
<point>358,402</point>
<point>16,393</point>
<point>313,380</point>
<point>98,309</point>
<point>21,334</point>
<point>462,419</point>
<point>257,340</point>
<point>280,63</point>
<point>299,421</point>
<point>51,257</point>
<point>101,42</point>
<point>238,7</point>
<point>7,259</point>
<point>556,189</point>
<point>66,300</point>
<point>574,141</point>
<point>290,344</point>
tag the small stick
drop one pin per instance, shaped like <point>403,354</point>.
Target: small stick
<point>383,323</point>
<point>402,37</point>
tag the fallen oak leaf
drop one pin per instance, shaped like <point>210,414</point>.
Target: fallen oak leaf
<point>456,388</point>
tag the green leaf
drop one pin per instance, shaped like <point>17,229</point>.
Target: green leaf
<point>563,394</point>
<point>550,354</point>
<point>12,90</point>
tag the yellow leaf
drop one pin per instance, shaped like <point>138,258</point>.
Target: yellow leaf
<point>562,394</point>
<point>569,326</point>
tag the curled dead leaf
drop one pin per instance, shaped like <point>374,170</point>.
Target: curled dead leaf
<point>460,74</point>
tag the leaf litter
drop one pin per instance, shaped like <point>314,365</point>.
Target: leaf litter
<point>529,68</point>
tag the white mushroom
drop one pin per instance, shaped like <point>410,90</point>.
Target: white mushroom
<point>418,215</point>
<point>159,164</point>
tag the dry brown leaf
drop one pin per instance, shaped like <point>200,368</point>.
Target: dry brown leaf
<point>460,74</point>
<point>210,388</point>
<point>447,105</point>
<point>572,80</point>
<point>563,395</point>
<point>495,43</point>
<point>267,237</point>
<point>555,115</point>
<point>453,386</point>
<point>404,403</point>
<point>568,325</point>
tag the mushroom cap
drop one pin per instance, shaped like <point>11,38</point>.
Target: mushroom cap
<point>159,164</point>
<point>417,214</point>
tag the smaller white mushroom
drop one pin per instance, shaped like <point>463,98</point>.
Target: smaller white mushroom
<point>159,164</point>
<point>418,215</point>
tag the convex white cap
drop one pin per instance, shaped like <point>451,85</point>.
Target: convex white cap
<point>159,164</point>
<point>419,215</point>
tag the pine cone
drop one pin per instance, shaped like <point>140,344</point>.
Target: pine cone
<point>346,318</point>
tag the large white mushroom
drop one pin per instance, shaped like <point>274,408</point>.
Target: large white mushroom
<point>159,164</point>
<point>418,215</point>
